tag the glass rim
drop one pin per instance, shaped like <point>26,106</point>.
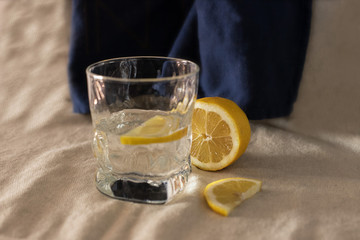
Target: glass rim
<point>103,77</point>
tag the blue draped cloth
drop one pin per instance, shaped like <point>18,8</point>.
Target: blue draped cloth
<point>251,52</point>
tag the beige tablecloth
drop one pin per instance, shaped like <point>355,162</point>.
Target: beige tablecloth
<point>309,162</point>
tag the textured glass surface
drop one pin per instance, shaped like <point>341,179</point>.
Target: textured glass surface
<point>136,93</point>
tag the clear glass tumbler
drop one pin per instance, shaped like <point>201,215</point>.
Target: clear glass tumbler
<point>141,109</point>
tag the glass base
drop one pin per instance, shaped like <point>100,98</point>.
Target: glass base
<point>143,189</point>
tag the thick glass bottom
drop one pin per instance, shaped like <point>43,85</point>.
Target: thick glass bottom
<point>143,189</point>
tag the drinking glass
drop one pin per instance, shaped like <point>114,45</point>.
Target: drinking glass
<point>141,110</point>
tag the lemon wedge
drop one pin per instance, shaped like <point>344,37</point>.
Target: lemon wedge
<point>220,133</point>
<point>158,129</point>
<point>224,195</point>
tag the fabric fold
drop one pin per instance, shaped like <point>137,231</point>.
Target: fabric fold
<point>251,52</point>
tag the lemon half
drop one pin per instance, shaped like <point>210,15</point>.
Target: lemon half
<point>220,133</point>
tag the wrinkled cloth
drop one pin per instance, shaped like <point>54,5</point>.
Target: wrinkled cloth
<point>251,52</point>
<point>308,162</point>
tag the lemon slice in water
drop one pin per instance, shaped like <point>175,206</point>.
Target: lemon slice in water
<point>158,129</point>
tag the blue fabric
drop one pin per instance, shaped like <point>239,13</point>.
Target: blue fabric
<point>251,52</point>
